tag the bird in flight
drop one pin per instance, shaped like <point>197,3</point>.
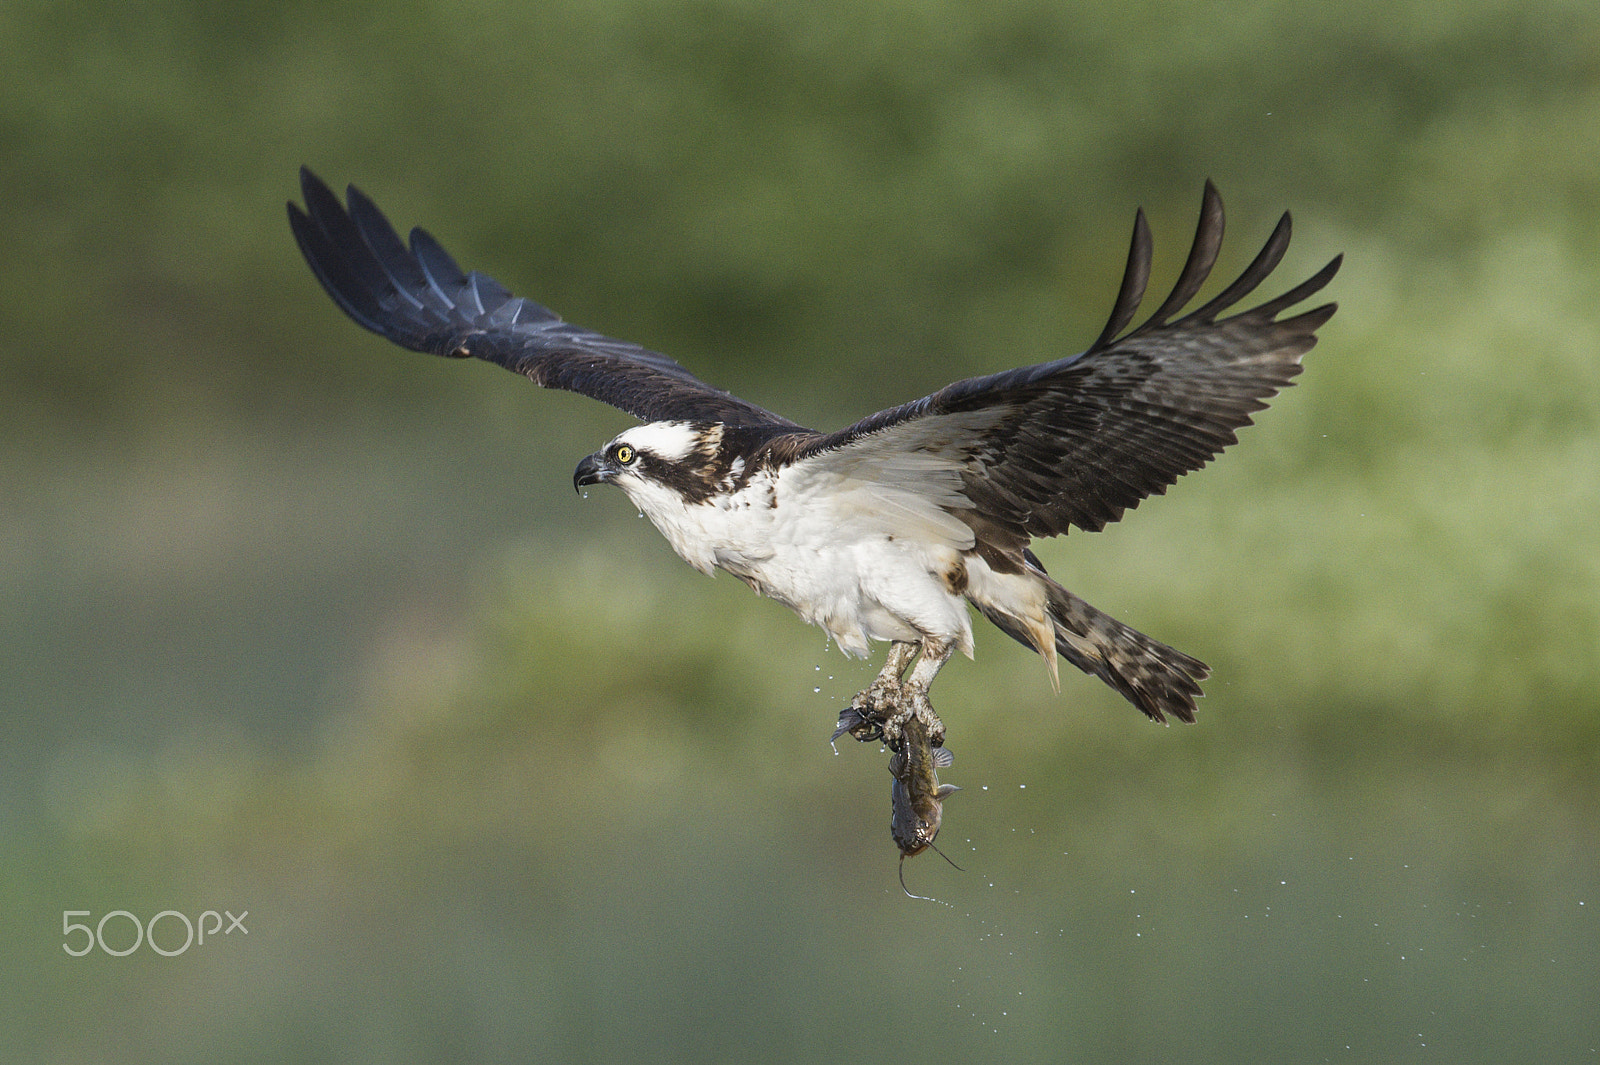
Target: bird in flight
<point>886,529</point>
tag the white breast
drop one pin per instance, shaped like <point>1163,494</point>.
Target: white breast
<point>860,557</point>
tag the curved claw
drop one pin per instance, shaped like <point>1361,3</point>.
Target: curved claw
<point>856,722</point>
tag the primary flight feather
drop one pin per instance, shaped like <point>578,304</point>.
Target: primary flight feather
<point>887,529</point>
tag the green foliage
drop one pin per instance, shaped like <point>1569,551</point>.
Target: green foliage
<point>293,615</point>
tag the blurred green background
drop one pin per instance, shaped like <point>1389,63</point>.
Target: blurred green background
<point>297,623</point>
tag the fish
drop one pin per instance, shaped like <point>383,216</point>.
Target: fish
<point>916,797</point>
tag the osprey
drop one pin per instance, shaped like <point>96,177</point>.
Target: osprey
<point>884,530</point>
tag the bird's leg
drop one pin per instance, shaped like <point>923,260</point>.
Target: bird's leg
<point>901,652</point>
<point>881,700</point>
<point>935,653</point>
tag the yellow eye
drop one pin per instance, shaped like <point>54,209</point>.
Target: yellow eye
<point>624,455</point>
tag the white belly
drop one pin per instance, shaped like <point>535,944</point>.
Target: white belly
<point>870,589</point>
<point>860,560</point>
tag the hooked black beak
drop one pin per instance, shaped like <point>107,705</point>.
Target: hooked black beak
<point>589,471</point>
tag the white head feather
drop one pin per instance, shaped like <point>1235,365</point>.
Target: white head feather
<point>670,441</point>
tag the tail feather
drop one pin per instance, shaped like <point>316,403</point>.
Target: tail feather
<point>1158,679</point>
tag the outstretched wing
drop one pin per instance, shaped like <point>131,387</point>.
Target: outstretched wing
<point>420,299</point>
<point>1079,440</point>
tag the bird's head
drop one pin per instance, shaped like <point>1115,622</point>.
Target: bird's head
<point>677,460</point>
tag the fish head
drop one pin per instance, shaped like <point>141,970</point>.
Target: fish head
<point>913,824</point>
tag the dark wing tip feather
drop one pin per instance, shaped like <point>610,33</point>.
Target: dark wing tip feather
<point>418,297</point>
<point>380,237</point>
<point>1309,322</point>
<point>1135,278</point>
<point>1090,436</point>
<point>1202,257</point>
<point>1266,261</point>
<point>360,261</point>
<point>1197,268</point>
<point>1308,287</point>
<point>442,275</point>
<point>338,275</point>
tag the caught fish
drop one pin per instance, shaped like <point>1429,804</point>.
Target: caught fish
<point>916,797</point>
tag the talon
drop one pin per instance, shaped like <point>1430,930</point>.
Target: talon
<point>876,713</point>
<point>850,719</point>
<point>857,723</point>
<point>894,725</point>
<point>922,709</point>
